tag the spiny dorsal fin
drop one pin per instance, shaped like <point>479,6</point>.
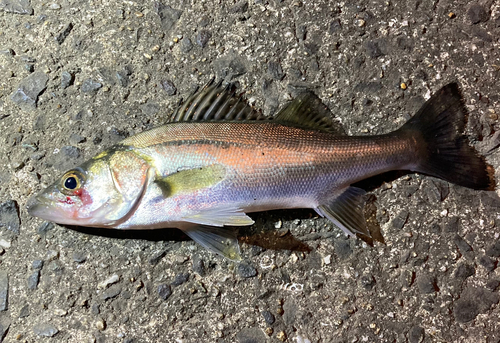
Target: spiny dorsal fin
<point>217,102</point>
<point>308,111</point>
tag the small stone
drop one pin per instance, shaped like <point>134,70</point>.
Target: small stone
<point>28,90</point>
<point>33,280</point>
<point>45,330</point>
<point>246,271</point>
<point>157,257</point>
<point>492,285</point>
<point>25,311</point>
<point>169,87</point>
<point>400,220</point>
<point>342,248</point>
<point>203,37</point>
<point>61,37</point>
<point>180,279</point>
<point>274,69</point>
<point>37,265</point>
<point>44,228</point>
<point>426,284</point>
<point>4,290</point>
<point>94,309</point>
<point>164,291</point>
<point>168,15</point>
<point>477,14</point>
<point>251,335</point>
<point>199,265</point>
<point>17,6</point>
<point>100,324</point>
<point>268,317</point>
<point>374,49</point>
<point>239,7</point>
<point>494,250</point>
<point>416,334</point>
<point>52,255</point>
<point>186,45</point>
<point>111,292</point>
<point>70,151</point>
<point>367,281</point>
<point>9,216</point>
<point>90,85</point>
<point>79,257</point>
<point>335,26</point>
<point>67,79</point>
<point>109,281</point>
<point>472,302</point>
<point>462,245</point>
<point>488,263</point>
<point>464,270</point>
<point>75,139</point>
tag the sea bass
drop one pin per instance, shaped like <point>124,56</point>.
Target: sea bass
<point>218,159</point>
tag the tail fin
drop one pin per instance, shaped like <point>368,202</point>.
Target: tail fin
<point>444,151</point>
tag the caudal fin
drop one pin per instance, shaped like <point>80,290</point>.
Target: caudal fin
<point>444,151</point>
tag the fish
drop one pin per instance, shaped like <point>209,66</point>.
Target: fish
<point>219,159</point>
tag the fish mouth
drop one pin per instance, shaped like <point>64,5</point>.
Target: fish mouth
<point>38,207</point>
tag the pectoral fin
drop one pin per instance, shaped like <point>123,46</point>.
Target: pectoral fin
<point>219,240</point>
<point>346,211</point>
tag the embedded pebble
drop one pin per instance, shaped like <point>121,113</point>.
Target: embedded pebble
<point>110,293</point>
<point>180,279</point>
<point>426,284</point>
<point>169,87</point>
<point>45,330</point>
<point>494,250</point>
<point>246,271</point>
<point>268,317</point>
<point>473,301</point>
<point>9,216</point>
<point>203,37</point>
<point>90,85</point>
<point>416,334</point>
<point>186,45</point>
<point>44,228</point>
<point>28,90</point>
<point>464,270</point>
<point>17,6</point>
<point>4,290</point>
<point>274,69</point>
<point>168,15</point>
<point>488,263</point>
<point>251,335</point>
<point>164,291</point>
<point>37,265</point>
<point>477,14</point>
<point>67,79</point>
<point>61,37</point>
<point>33,280</point>
<point>109,281</point>
<point>199,265</point>
<point>79,257</point>
<point>25,311</point>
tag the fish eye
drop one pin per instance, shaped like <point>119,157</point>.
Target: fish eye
<point>72,181</point>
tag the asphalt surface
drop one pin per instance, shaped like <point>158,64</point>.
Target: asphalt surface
<point>79,76</point>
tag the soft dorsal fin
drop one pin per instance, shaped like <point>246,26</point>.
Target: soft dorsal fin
<point>218,102</point>
<point>308,111</point>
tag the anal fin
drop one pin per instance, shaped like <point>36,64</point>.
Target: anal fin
<point>346,211</point>
<point>222,241</point>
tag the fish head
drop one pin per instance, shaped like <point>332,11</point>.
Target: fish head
<point>93,194</point>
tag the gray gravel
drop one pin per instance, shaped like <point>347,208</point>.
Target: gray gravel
<point>77,77</point>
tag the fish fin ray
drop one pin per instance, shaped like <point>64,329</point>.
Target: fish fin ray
<point>231,216</point>
<point>222,241</point>
<point>216,102</point>
<point>308,111</point>
<point>346,211</point>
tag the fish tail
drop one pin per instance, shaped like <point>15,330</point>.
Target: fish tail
<point>442,149</point>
